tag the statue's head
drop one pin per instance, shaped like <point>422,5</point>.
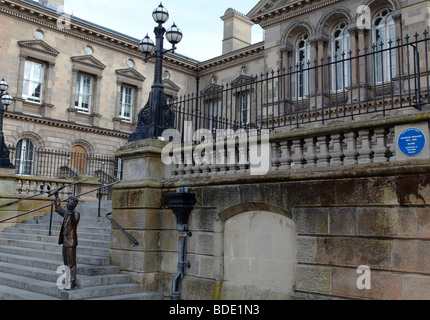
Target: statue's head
<point>72,202</point>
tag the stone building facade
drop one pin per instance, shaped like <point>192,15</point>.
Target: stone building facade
<point>282,235</point>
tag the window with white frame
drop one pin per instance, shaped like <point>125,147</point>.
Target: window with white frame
<point>384,38</point>
<point>84,93</point>
<point>213,115</point>
<point>303,55</point>
<point>126,103</point>
<point>24,157</point>
<point>245,108</point>
<point>340,42</point>
<point>33,81</point>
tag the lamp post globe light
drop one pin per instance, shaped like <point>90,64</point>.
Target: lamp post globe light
<point>156,116</point>
<point>5,101</point>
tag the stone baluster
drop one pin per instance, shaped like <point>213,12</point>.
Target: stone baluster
<point>285,160</point>
<point>351,152</point>
<point>176,163</point>
<point>243,158</point>
<point>324,154</point>
<point>213,168</point>
<point>337,153</point>
<point>188,165</point>
<point>366,152</point>
<point>181,166</point>
<point>26,186</point>
<point>310,155</point>
<point>381,149</point>
<point>275,156</point>
<point>231,161</point>
<point>222,161</point>
<point>391,144</point>
<point>20,186</point>
<point>298,157</point>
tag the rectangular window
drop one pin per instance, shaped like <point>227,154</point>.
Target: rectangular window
<point>33,81</point>
<point>213,116</point>
<point>126,101</point>
<point>84,93</point>
<point>245,108</point>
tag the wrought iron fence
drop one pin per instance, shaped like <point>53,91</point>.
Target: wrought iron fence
<point>64,165</point>
<point>385,77</point>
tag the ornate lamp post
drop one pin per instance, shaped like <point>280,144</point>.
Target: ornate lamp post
<point>5,101</point>
<point>156,116</point>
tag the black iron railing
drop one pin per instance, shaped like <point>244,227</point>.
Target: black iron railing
<point>372,80</point>
<point>64,165</point>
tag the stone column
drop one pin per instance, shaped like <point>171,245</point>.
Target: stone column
<point>7,194</point>
<point>361,62</point>
<point>136,206</point>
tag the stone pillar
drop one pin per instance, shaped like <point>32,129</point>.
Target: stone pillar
<point>362,59</point>
<point>7,194</point>
<point>136,206</point>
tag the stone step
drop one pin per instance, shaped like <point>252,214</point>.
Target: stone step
<point>55,233</point>
<point>135,296</point>
<point>57,227</point>
<point>49,288</point>
<point>54,264</point>
<point>52,275</point>
<point>53,239</point>
<point>9,293</point>
<point>46,246</point>
<point>29,259</point>
<point>56,256</point>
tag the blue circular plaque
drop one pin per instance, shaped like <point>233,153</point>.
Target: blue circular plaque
<point>411,141</point>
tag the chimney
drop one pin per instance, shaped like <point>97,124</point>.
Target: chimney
<point>237,31</point>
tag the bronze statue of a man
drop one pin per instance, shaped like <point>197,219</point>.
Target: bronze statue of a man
<point>68,235</point>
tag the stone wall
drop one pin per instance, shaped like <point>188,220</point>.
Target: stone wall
<point>330,221</point>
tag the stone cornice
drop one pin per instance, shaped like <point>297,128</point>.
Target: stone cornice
<point>66,125</point>
<point>241,56</point>
<point>288,10</point>
<point>48,19</point>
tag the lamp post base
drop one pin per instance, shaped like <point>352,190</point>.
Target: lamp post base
<point>4,156</point>
<point>154,118</point>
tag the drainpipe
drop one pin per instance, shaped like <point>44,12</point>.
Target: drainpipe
<point>181,203</point>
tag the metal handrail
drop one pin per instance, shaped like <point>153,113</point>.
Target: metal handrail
<point>121,229</point>
<point>38,194</point>
<point>43,207</point>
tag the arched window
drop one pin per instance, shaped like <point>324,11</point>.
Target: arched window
<point>384,36</point>
<point>24,158</point>
<point>303,55</point>
<point>340,43</point>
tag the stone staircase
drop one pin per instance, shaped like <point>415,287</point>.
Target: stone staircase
<point>29,259</point>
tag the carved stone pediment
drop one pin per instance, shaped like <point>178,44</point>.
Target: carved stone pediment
<point>130,76</point>
<point>39,46</point>
<point>88,61</point>
<point>212,88</point>
<point>170,88</point>
<point>242,80</point>
<point>130,73</point>
<point>265,6</point>
<point>269,9</point>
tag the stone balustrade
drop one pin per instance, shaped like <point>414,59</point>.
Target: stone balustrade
<point>343,145</point>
